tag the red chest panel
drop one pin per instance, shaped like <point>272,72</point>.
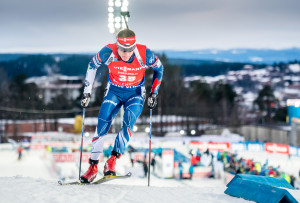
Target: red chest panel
<point>126,74</point>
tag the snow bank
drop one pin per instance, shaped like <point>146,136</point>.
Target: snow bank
<point>25,189</point>
<point>31,180</point>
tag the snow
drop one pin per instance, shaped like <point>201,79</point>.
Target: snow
<point>294,68</point>
<point>39,190</point>
<point>33,180</point>
<point>256,59</point>
<point>32,165</point>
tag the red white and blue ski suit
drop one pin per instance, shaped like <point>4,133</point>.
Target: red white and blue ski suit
<point>125,88</point>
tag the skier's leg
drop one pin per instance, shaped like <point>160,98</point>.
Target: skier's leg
<point>133,107</point>
<point>108,110</point>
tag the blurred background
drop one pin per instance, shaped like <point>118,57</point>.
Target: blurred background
<point>230,93</point>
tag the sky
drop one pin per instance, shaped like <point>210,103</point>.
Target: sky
<point>74,26</point>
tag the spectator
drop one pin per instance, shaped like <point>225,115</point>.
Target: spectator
<point>131,155</point>
<point>20,150</point>
<point>145,166</point>
<point>193,160</point>
<point>198,158</point>
<point>219,169</point>
<point>272,172</point>
<point>131,158</point>
<point>191,171</point>
<point>153,162</point>
<point>180,167</point>
<point>293,179</point>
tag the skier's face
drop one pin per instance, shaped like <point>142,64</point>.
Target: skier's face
<point>125,56</point>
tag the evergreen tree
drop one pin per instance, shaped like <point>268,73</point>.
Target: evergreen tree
<point>265,102</point>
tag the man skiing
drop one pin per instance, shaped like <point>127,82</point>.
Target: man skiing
<point>126,62</point>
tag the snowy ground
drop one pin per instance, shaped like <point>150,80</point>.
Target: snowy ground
<point>32,180</point>
<point>27,189</point>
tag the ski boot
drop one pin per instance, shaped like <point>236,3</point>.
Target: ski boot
<point>109,167</point>
<point>91,173</point>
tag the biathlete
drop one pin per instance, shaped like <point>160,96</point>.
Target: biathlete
<point>127,62</point>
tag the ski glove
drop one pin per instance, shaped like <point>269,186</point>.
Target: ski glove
<point>152,100</point>
<point>85,100</point>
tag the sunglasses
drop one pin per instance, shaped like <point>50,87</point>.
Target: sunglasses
<point>130,49</point>
<point>126,49</point>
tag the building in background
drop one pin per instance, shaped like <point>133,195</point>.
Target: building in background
<point>53,85</point>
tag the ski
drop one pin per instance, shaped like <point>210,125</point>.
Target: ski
<point>110,177</point>
<point>100,181</point>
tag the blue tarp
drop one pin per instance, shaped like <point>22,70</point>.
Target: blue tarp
<point>261,189</point>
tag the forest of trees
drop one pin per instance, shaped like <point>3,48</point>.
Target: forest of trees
<point>217,103</point>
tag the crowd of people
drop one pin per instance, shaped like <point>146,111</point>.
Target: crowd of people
<point>235,165</point>
<point>231,163</point>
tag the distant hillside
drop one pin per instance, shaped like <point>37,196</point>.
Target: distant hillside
<point>39,65</point>
<point>256,56</point>
<point>209,67</point>
<point>9,57</point>
<point>202,62</point>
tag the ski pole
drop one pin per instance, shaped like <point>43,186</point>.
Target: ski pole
<point>149,147</point>
<point>83,117</point>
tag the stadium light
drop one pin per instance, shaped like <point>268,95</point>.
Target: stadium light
<point>118,3</point>
<point>181,132</point>
<point>111,20</point>
<point>125,3</point>
<point>115,20</point>
<point>110,9</point>
<point>117,25</point>
<point>135,128</point>
<point>193,132</point>
<point>118,19</point>
<point>124,8</point>
<point>112,30</point>
<point>110,25</point>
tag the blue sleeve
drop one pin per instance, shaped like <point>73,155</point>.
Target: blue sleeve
<point>101,57</point>
<point>154,63</point>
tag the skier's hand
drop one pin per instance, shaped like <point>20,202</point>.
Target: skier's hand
<point>85,100</point>
<point>152,100</point>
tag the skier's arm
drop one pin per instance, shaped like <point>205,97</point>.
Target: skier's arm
<point>101,57</point>
<point>153,62</point>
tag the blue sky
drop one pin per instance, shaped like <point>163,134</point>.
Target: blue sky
<point>81,26</point>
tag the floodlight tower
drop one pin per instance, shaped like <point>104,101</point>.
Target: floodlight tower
<point>117,15</point>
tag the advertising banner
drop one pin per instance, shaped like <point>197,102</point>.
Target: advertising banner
<point>72,157</point>
<point>238,147</point>
<point>294,151</point>
<point>211,146</point>
<point>277,148</point>
<point>255,147</point>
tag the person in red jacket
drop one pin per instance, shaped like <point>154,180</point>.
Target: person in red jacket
<point>20,150</point>
<point>127,62</point>
<point>194,160</point>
